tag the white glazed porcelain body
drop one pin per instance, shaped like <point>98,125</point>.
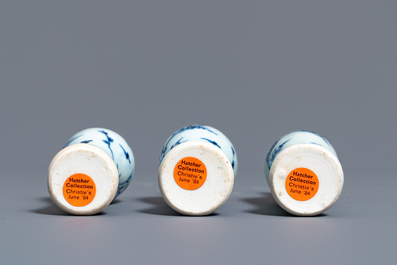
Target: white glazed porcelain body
<point>304,149</point>
<point>65,183</point>
<point>94,167</point>
<point>214,152</point>
<point>114,146</point>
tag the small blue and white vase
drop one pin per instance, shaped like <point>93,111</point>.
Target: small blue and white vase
<point>304,173</point>
<point>94,167</point>
<point>197,169</point>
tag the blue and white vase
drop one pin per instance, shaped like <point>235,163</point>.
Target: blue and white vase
<point>304,173</point>
<point>197,169</point>
<point>96,155</point>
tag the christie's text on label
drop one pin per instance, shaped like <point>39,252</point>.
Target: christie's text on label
<point>190,173</point>
<point>302,184</point>
<point>79,190</point>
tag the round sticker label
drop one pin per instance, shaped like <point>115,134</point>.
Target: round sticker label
<point>190,173</point>
<point>302,184</point>
<point>79,190</point>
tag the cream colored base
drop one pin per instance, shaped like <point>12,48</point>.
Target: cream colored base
<point>212,194</point>
<point>89,160</point>
<point>316,158</point>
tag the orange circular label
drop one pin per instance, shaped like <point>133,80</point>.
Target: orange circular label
<point>190,173</point>
<point>302,184</point>
<point>79,190</point>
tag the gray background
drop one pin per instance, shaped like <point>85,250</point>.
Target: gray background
<point>253,69</point>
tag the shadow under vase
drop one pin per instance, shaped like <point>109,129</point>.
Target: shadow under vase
<point>160,207</point>
<point>266,205</point>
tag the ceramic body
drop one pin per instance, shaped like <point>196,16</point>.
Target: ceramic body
<point>197,169</point>
<point>304,173</point>
<point>204,134</point>
<point>293,138</point>
<point>82,179</point>
<point>114,146</point>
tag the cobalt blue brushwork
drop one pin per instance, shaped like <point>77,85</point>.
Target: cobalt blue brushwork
<point>296,137</point>
<point>205,134</point>
<point>114,146</point>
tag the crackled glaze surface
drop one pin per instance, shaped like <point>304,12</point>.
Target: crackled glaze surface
<point>114,146</point>
<point>205,134</point>
<point>293,138</point>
